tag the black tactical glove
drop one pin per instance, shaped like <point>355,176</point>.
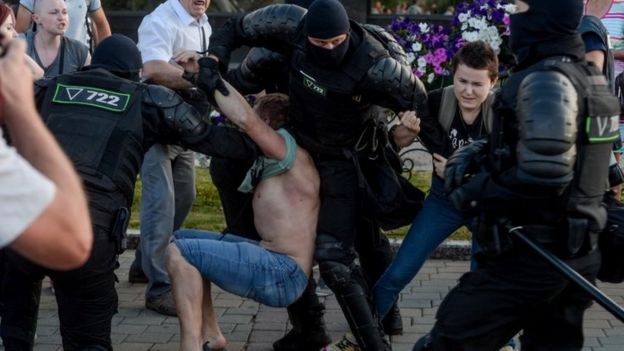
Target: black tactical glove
<point>464,161</point>
<point>209,78</point>
<point>465,198</point>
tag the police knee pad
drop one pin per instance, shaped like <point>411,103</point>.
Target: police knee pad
<point>336,275</point>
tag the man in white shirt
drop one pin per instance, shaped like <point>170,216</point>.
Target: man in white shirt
<point>43,209</point>
<point>171,39</point>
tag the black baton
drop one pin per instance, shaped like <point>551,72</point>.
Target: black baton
<point>573,276</point>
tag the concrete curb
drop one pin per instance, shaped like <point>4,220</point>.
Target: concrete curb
<point>449,250</point>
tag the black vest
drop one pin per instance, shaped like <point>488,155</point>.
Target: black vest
<point>597,129</point>
<point>96,118</point>
<point>326,106</point>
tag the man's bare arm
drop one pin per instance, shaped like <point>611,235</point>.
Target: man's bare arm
<point>61,237</point>
<point>24,17</point>
<point>101,28</point>
<point>240,113</point>
<point>166,74</point>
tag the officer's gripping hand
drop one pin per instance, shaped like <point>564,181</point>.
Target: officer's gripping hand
<point>209,78</point>
<point>465,198</point>
<point>462,162</point>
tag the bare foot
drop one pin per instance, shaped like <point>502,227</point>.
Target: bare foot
<point>215,344</point>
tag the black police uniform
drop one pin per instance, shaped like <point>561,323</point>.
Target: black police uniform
<point>549,150</point>
<point>263,69</point>
<point>327,105</point>
<point>105,124</point>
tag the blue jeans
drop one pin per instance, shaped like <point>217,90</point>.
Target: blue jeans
<point>243,267</point>
<point>168,176</point>
<point>437,220</point>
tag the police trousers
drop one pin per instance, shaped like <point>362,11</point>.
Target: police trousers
<point>515,291</point>
<point>86,299</point>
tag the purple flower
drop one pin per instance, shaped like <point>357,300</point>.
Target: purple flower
<point>442,42</point>
<point>429,57</point>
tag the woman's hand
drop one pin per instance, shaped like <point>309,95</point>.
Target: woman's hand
<point>439,165</point>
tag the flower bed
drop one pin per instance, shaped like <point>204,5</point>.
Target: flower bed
<point>430,48</point>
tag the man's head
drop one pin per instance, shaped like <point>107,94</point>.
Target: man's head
<point>106,55</point>
<point>195,8</point>
<point>475,71</point>
<point>541,21</point>
<point>327,28</point>
<point>272,109</point>
<point>51,16</point>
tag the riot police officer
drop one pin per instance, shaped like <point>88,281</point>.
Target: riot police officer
<point>545,174</point>
<point>267,70</point>
<point>105,120</point>
<point>337,70</point>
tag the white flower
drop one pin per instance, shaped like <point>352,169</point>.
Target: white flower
<point>424,27</point>
<point>410,57</point>
<point>462,17</point>
<point>416,47</point>
<point>421,62</point>
<point>477,23</point>
<point>510,8</point>
<point>430,77</point>
<point>470,36</point>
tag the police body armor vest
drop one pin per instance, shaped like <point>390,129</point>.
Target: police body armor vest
<point>97,120</point>
<point>597,128</point>
<point>327,110</point>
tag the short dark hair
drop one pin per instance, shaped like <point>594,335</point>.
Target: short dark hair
<point>477,55</point>
<point>273,107</point>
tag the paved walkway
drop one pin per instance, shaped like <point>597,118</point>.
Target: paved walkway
<point>253,327</point>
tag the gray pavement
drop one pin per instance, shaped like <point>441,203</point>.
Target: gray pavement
<point>253,327</point>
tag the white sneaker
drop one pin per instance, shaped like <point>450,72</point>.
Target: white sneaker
<point>347,343</point>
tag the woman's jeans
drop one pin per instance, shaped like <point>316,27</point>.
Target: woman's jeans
<point>243,267</point>
<point>435,222</point>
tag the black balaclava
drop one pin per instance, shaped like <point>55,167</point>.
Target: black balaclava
<point>546,21</point>
<point>327,19</point>
<point>119,55</point>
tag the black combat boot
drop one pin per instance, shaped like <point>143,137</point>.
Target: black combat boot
<point>306,316</point>
<point>392,322</point>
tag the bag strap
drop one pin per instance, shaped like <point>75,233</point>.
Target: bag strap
<point>448,106</point>
<point>88,24</point>
<point>487,111</point>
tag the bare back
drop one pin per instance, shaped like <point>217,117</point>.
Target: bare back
<point>286,210</point>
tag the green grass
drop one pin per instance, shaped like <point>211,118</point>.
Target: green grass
<point>207,213</point>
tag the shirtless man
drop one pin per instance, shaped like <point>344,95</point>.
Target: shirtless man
<point>273,271</point>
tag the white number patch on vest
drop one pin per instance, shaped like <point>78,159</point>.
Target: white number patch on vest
<point>602,129</point>
<point>89,96</point>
